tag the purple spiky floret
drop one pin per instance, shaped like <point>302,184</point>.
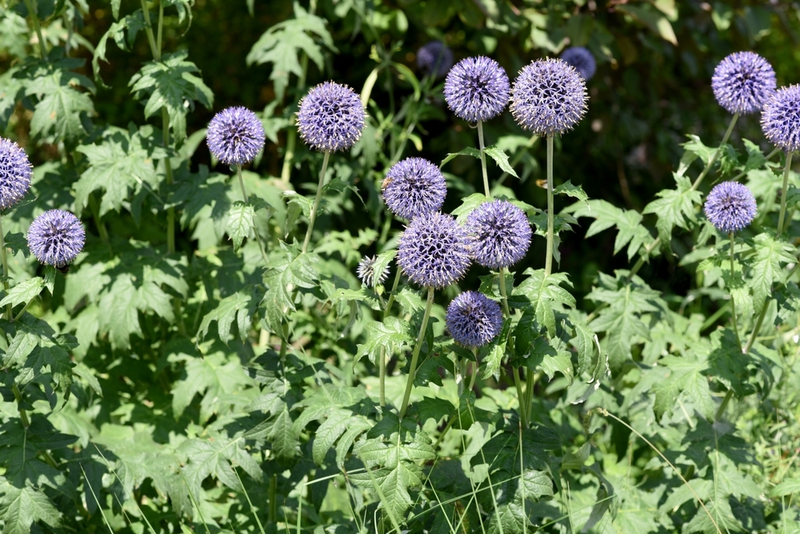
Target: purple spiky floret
<point>331,117</point>
<point>476,89</point>
<point>434,250</point>
<point>780,119</point>
<point>56,237</point>
<point>15,173</point>
<point>730,206</point>
<point>549,97</point>
<point>366,272</point>
<point>743,82</point>
<point>235,136</point>
<point>473,319</point>
<point>501,234</point>
<point>580,58</point>
<point>414,186</point>
<point>434,58</point>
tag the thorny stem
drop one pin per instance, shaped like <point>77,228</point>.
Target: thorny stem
<point>315,207</point>
<point>486,189</point>
<point>37,27</point>
<point>733,302</point>
<point>548,261</point>
<point>247,201</point>
<point>412,371</point>
<point>782,216</point>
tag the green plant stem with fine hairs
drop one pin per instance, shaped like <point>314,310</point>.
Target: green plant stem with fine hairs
<point>315,207</point>
<point>4,257</point>
<point>412,371</point>
<point>782,215</point>
<point>37,27</point>
<point>382,361</point>
<point>733,302</point>
<point>548,260</point>
<point>486,189</point>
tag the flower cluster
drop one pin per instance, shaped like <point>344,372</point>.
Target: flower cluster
<point>235,136</point>
<point>476,89</point>
<point>549,97</point>
<point>56,237</point>
<point>730,206</point>
<point>15,173</point>
<point>743,82</point>
<point>780,120</point>
<point>580,58</point>
<point>501,234</point>
<point>473,319</point>
<point>414,186</point>
<point>434,251</point>
<point>435,58</point>
<point>367,274</point>
<point>331,117</point>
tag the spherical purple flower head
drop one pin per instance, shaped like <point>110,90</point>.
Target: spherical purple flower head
<point>15,173</point>
<point>366,272</point>
<point>730,207</point>
<point>501,234</point>
<point>580,58</point>
<point>434,251</point>
<point>435,58</point>
<point>413,187</point>
<point>331,117</point>
<point>549,97</point>
<point>780,119</point>
<point>235,136</point>
<point>473,319</point>
<point>743,82</point>
<point>56,237</point>
<point>476,89</point>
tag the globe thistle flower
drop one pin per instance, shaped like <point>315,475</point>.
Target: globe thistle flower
<point>331,117</point>
<point>235,136</point>
<point>730,206</point>
<point>580,58</point>
<point>56,237</point>
<point>434,58</point>
<point>473,319</point>
<point>780,119</point>
<point>549,97</point>
<point>434,251</point>
<point>476,89</point>
<point>366,272</point>
<point>743,82</point>
<point>15,173</point>
<point>414,186</point>
<point>501,234</point>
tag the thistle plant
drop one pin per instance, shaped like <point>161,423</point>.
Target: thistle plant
<point>434,59</point>
<point>581,59</point>
<point>56,237</point>
<point>412,187</point>
<point>743,82</point>
<point>780,122</point>
<point>367,274</point>
<point>15,180</point>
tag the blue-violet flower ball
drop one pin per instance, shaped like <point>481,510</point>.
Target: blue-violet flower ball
<point>434,250</point>
<point>331,117</point>
<point>414,186</point>
<point>56,237</point>
<point>501,234</point>
<point>730,206</point>
<point>580,58</point>
<point>473,319</point>
<point>435,58</point>
<point>743,82</point>
<point>235,136</point>
<point>780,119</point>
<point>367,274</point>
<point>549,97</point>
<point>15,173</point>
<point>476,89</point>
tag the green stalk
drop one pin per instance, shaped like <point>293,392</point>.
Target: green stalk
<point>733,302</point>
<point>4,256</point>
<point>382,361</point>
<point>168,169</point>
<point>247,201</point>
<point>548,261</point>
<point>37,28</point>
<point>315,207</point>
<point>486,189</point>
<point>523,406</point>
<point>23,415</point>
<point>272,497</point>
<point>148,28</point>
<point>757,327</point>
<point>474,374</point>
<point>412,371</point>
<point>723,405</point>
<point>782,215</point>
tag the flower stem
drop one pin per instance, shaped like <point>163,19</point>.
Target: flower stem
<point>412,371</point>
<point>717,152</point>
<point>523,408</point>
<point>247,201</point>
<point>723,405</point>
<point>37,27</point>
<point>474,374</point>
<point>148,28</point>
<point>782,215</point>
<point>757,327</point>
<point>382,361</point>
<point>315,207</point>
<point>503,292</point>
<point>548,261</point>
<point>486,190</point>
<point>23,415</point>
<point>168,170</point>
<point>4,257</point>
<point>733,302</point>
